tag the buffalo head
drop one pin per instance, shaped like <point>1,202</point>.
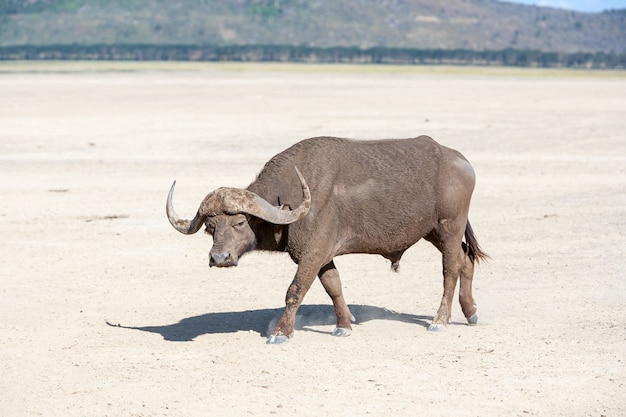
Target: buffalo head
<point>226,213</point>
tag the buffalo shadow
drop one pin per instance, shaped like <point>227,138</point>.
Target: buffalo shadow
<point>262,321</point>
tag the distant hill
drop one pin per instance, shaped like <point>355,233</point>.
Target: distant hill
<point>418,24</point>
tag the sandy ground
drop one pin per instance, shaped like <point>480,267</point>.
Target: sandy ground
<point>87,158</point>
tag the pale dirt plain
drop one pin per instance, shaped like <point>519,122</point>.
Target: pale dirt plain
<point>89,151</point>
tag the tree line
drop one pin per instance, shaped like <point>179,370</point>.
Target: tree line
<point>308,54</point>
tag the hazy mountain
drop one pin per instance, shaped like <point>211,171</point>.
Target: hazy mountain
<point>423,24</point>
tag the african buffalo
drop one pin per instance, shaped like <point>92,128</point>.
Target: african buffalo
<point>325,196</point>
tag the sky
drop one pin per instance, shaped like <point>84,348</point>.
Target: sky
<point>577,5</point>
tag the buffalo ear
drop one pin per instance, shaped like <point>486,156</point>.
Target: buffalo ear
<point>278,229</point>
<point>270,235</point>
<point>278,233</point>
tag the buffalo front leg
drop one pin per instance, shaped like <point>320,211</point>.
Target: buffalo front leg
<point>451,271</point>
<point>295,294</point>
<point>329,276</point>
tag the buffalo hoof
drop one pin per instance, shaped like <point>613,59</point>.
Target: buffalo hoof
<point>437,327</point>
<point>339,332</point>
<point>473,320</point>
<point>277,340</point>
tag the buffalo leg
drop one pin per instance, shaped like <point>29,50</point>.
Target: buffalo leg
<point>453,257</point>
<point>466,298</point>
<point>329,276</point>
<point>305,275</point>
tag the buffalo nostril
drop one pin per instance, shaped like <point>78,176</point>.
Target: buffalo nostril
<point>219,258</point>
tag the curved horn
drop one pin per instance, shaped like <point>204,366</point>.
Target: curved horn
<point>236,200</point>
<point>187,227</point>
<point>264,210</point>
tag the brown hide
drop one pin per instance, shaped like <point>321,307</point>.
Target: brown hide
<point>367,196</point>
<point>377,197</point>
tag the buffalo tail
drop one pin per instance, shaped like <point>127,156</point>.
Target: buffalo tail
<point>471,246</point>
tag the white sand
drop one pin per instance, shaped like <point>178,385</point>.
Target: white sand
<point>87,158</point>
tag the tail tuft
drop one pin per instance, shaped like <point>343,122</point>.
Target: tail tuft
<point>471,246</point>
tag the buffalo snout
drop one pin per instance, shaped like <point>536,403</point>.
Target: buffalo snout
<point>222,259</point>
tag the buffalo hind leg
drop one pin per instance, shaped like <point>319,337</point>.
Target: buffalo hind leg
<point>452,259</point>
<point>456,262</point>
<point>305,275</point>
<point>450,278</point>
<point>466,299</point>
<point>329,276</point>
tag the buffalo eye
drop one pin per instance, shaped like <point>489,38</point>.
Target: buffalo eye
<point>240,224</point>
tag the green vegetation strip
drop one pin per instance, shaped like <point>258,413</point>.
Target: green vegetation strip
<point>186,66</point>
